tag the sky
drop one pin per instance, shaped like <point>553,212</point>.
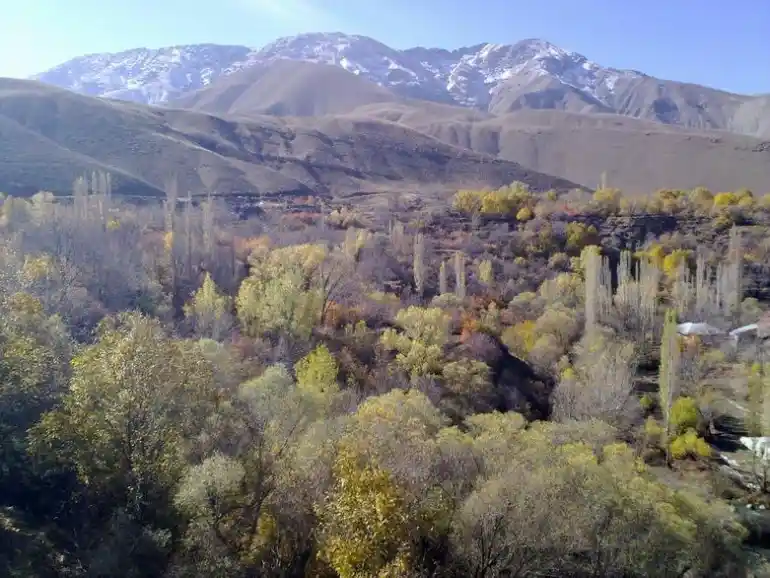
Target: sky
<point>719,43</point>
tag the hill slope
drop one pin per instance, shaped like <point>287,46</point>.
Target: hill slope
<point>49,136</point>
<point>498,78</point>
<point>637,156</point>
<point>286,88</point>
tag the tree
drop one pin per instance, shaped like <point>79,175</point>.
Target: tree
<point>289,289</point>
<point>419,264</point>
<point>607,200</point>
<point>266,453</point>
<point>421,342</point>
<point>135,397</point>
<point>636,298</point>
<point>601,381</point>
<point>731,278</point>
<point>469,388</point>
<point>209,310</point>
<point>579,236</point>
<point>365,525</point>
<point>668,376</point>
<point>486,272</point>
<point>35,351</point>
<point>524,214</point>
<point>614,520</point>
<point>468,202</point>
<point>443,281</point>
<point>459,263</point>
<point>317,376</point>
<point>597,287</point>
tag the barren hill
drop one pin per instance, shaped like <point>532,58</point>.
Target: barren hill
<point>637,156</point>
<point>286,88</point>
<point>49,136</point>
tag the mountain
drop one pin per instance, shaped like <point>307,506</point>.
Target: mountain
<point>150,76</point>
<point>496,78</point>
<point>50,136</point>
<point>286,88</point>
<point>530,103</point>
<point>636,155</point>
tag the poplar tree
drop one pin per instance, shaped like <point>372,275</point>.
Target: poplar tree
<point>418,264</point>
<point>443,281</point>
<point>668,373</point>
<point>460,289</point>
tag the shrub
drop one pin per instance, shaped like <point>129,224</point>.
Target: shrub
<point>689,445</point>
<point>524,214</point>
<point>684,415</point>
<point>722,200</point>
<point>467,201</point>
<point>520,338</point>
<point>673,260</point>
<point>653,432</point>
<point>647,402</point>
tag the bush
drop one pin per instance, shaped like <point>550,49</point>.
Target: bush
<point>524,214</point>
<point>722,200</point>
<point>653,432</point>
<point>647,402</point>
<point>689,445</point>
<point>520,338</point>
<point>684,415</point>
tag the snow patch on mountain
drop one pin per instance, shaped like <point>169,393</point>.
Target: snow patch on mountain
<point>467,76</point>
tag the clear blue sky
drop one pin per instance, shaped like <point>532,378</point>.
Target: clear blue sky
<point>721,43</point>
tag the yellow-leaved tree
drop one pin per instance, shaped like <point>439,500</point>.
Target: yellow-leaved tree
<point>420,343</point>
<point>317,376</point>
<point>209,310</point>
<point>365,525</point>
<point>288,289</point>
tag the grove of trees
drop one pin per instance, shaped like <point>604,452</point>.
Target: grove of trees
<point>184,393</point>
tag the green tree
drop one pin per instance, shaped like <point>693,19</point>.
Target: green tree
<point>35,352</point>
<point>135,397</point>
<point>317,376</point>
<point>289,289</point>
<point>209,310</point>
<point>668,376</point>
<point>420,344</point>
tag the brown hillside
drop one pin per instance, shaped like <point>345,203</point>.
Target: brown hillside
<point>542,92</point>
<point>753,117</point>
<point>286,88</point>
<point>540,124</point>
<point>48,136</point>
<point>637,155</point>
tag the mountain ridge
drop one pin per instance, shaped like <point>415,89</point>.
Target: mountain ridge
<point>497,78</point>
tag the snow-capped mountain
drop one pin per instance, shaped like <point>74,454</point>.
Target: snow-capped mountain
<point>469,76</point>
<point>151,76</point>
<point>498,78</point>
